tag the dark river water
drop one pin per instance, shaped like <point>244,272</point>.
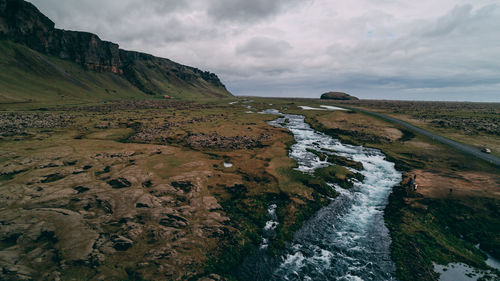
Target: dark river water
<point>346,240</point>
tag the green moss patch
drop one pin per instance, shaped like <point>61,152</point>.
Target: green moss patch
<point>445,231</point>
<point>339,175</point>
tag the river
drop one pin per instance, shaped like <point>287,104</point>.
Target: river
<point>346,240</point>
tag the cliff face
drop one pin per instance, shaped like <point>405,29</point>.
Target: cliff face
<point>23,23</point>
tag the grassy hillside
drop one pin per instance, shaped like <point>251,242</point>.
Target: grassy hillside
<point>155,75</point>
<point>29,77</point>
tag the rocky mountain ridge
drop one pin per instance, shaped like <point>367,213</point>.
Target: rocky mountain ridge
<point>23,23</point>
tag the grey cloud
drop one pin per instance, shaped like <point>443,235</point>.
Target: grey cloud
<point>128,22</point>
<point>449,22</point>
<point>454,50</point>
<point>264,47</point>
<point>247,10</point>
<point>163,31</point>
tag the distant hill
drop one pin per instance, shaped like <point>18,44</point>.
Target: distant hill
<point>337,96</point>
<point>39,62</point>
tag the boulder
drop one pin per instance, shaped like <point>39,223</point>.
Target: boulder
<point>121,243</point>
<point>119,183</point>
<point>173,221</point>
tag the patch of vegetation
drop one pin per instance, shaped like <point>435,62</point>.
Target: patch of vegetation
<point>248,216</point>
<point>9,241</point>
<point>11,175</point>
<point>316,183</point>
<point>321,155</point>
<point>106,170</point>
<point>407,135</point>
<point>285,232</point>
<point>53,178</point>
<point>339,160</point>
<point>443,233</point>
<point>339,175</point>
<point>354,137</point>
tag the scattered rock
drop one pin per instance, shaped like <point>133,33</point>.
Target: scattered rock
<point>185,186</point>
<point>81,189</point>
<point>211,203</point>
<point>17,123</point>
<point>147,184</point>
<point>216,141</point>
<point>53,178</point>
<point>96,258</point>
<point>70,162</point>
<point>119,183</point>
<point>161,254</point>
<point>173,221</point>
<point>121,243</point>
<point>147,201</point>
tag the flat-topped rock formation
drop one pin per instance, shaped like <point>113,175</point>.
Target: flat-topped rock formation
<point>337,96</point>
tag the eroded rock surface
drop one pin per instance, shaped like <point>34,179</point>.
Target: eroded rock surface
<point>52,218</point>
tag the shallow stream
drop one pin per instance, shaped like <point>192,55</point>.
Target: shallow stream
<point>346,240</point>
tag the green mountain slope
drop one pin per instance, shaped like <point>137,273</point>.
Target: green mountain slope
<point>28,76</point>
<point>40,63</point>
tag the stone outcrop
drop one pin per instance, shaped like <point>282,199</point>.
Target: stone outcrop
<point>337,96</point>
<point>23,23</point>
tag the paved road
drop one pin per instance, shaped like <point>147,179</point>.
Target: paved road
<point>456,145</point>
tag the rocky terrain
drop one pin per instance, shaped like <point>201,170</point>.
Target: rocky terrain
<point>18,124</point>
<point>214,141</point>
<point>140,190</point>
<point>88,210</point>
<point>98,204</point>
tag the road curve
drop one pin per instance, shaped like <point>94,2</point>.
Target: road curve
<point>456,145</point>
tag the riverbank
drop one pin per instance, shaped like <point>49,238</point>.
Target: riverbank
<point>348,238</point>
<point>429,225</point>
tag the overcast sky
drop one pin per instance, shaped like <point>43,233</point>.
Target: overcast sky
<point>394,49</point>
